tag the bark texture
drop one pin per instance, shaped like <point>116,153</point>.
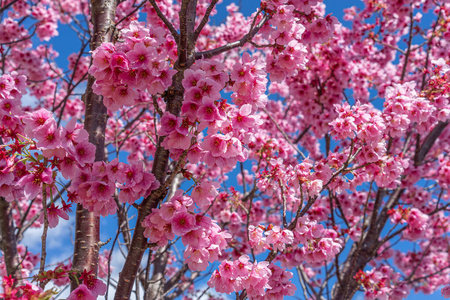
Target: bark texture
<point>174,99</point>
<point>87,232</point>
<point>8,243</point>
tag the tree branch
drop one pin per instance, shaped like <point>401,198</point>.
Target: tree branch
<point>245,39</point>
<point>163,18</point>
<point>8,243</point>
<point>204,20</point>
<point>174,99</point>
<point>429,142</point>
<point>87,232</point>
<point>408,50</point>
<point>284,134</point>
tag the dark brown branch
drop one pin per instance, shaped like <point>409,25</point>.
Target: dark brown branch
<point>408,50</point>
<point>429,275</point>
<point>245,39</point>
<point>87,232</point>
<point>174,99</point>
<point>183,286</point>
<point>157,283</point>
<point>429,142</point>
<point>166,22</point>
<point>204,20</point>
<point>302,134</point>
<point>175,278</point>
<point>187,25</point>
<point>2,9</point>
<point>363,251</point>
<point>8,243</point>
<point>429,43</point>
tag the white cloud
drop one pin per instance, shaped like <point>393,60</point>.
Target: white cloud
<point>211,292</point>
<point>28,100</point>
<point>57,238</point>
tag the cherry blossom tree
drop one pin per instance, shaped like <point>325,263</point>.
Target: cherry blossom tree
<point>265,155</point>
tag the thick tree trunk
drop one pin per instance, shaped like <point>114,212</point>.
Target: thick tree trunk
<point>174,99</point>
<point>8,243</point>
<point>87,233</point>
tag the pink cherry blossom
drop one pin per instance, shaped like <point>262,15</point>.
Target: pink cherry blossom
<point>53,215</point>
<point>81,292</point>
<point>182,223</point>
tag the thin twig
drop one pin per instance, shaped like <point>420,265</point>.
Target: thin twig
<point>204,20</point>
<point>245,39</point>
<point>166,22</point>
<point>44,234</point>
<point>284,134</point>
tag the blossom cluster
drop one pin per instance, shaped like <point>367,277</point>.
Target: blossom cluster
<point>204,193</point>
<point>367,127</point>
<point>276,237</point>
<point>25,291</point>
<point>443,173</point>
<point>362,121</point>
<point>431,264</point>
<point>211,135</point>
<point>319,244</point>
<point>203,83</point>
<point>10,30</point>
<point>289,181</point>
<point>382,283</point>
<point>418,222</point>
<point>47,18</point>
<point>229,127</point>
<point>79,65</point>
<point>89,289</point>
<point>95,185</point>
<point>279,283</point>
<point>289,54</point>
<point>64,149</point>
<point>249,82</point>
<point>203,238</point>
<point>404,106</point>
<point>234,276</point>
<point>259,279</point>
<point>137,64</point>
